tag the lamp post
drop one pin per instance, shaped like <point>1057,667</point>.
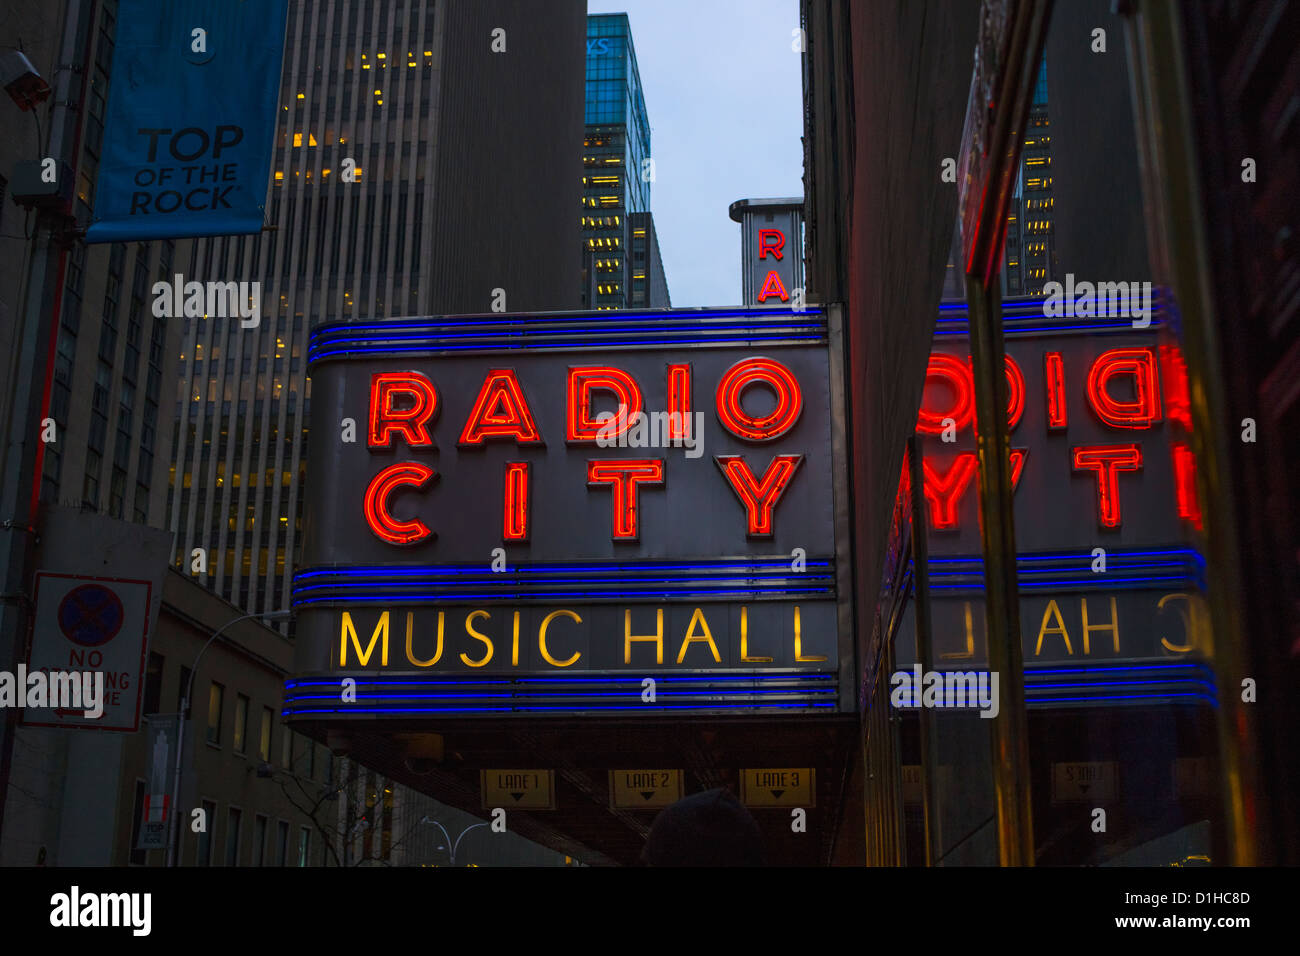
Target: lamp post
<point>174,831</point>
<point>447,836</point>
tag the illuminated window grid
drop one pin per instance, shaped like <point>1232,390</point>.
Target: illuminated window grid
<point>249,517</point>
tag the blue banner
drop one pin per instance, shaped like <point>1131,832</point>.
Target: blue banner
<point>191,119</point>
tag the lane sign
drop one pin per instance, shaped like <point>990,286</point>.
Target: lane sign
<point>521,789</point>
<point>785,787</point>
<point>1082,781</point>
<point>639,789</point>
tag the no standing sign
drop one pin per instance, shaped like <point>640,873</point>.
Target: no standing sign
<point>92,624</point>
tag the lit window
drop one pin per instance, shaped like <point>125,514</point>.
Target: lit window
<point>241,723</point>
<point>214,713</point>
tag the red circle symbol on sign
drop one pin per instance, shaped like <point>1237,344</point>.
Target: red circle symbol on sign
<point>91,615</point>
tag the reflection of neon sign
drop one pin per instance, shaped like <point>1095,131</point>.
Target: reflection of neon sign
<point>404,405</point>
<point>949,407</point>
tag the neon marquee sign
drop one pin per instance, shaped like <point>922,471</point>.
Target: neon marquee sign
<point>507,507</point>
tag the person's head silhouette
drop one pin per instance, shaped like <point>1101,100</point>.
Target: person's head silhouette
<point>711,828</point>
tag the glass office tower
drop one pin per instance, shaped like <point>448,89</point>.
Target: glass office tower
<point>616,175</point>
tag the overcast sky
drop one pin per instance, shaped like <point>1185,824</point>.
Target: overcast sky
<point>725,100</point>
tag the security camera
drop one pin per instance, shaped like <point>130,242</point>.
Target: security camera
<point>21,81</point>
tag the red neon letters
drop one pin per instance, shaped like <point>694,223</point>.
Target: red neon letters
<point>1107,390</point>
<point>514,526</point>
<point>1108,461</point>
<point>951,371</point>
<point>759,496</point>
<point>770,240</point>
<point>1178,401</point>
<point>945,490</point>
<point>1054,375</point>
<point>1015,392</point>
<point>772,286</point>
<point>1144,410</point>
<point>581,424</point>
<point>405,404</point>
<point>410,423</point>
<point>679,400</point>
<point>1189,505</point>
<point>759,371</point>
<point>625,476</point>
<point>382,523</point>
<point>501,411</point>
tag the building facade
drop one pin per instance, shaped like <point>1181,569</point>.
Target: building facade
<point>617,164</point>
<point>268,796</point>
<point>112,354</point>
<point>98,355</point>
<point>649,285</point>
<point>381,105</point>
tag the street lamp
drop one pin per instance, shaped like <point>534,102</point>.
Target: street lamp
<point>174,832</point>
<point>447,836</point>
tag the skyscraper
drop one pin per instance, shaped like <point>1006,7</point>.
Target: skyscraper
<point>618,166</point>
<point>1031,238</point>
<point>398,188</point>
